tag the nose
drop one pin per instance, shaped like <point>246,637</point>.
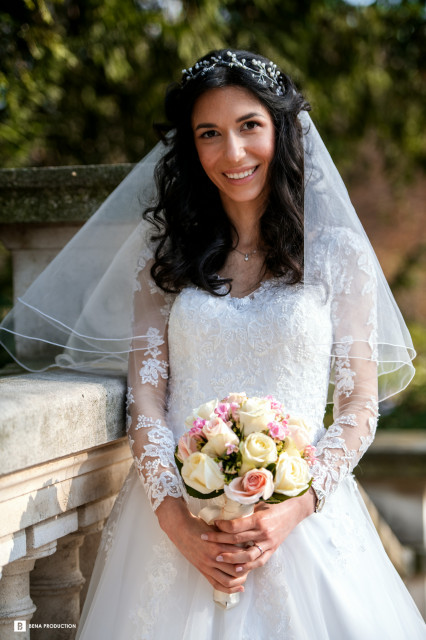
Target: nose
<point>234,148</point>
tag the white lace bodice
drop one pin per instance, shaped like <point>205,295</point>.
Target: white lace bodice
<point>277,341</point>
<point>259,344</point>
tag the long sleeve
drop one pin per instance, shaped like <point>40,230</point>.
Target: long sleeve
<point>354,366</point>
<point>151,441</point>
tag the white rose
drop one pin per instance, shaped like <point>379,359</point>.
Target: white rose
<point>219,436</point>
<point>205,412</point>
<point>291,475</point>
<point>201,472</point>
<point>258,450</point>
<point>255,415</point>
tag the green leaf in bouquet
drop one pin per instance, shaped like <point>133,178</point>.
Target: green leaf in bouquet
<point>202,496</point>
<point>276,498</point>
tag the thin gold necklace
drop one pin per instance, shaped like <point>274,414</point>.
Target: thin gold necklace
<point>246,254</point>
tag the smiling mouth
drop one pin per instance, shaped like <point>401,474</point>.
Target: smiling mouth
<point>243,174</point>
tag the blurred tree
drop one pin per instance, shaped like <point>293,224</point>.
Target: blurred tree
<point>81,81</point>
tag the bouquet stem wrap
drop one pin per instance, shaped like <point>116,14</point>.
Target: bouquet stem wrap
<point>225,509</point>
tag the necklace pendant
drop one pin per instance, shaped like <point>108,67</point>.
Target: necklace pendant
<point>246,257</point>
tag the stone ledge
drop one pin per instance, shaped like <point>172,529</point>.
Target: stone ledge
<point>50,415</point>
<point>399,456</point>
<point>56,194</point>
<point>44,503</point>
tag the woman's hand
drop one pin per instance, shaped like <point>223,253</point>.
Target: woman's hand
<point>189,533</point>
<point>268,527</point>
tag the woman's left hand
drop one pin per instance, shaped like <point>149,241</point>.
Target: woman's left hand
<point>268,527</point>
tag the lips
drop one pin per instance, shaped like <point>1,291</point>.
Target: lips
<point>240,175</point>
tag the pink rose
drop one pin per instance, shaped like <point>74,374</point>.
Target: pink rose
<point>219,437</point>
<point>239,398</point>
<point>187,444</point>
<point>254,485</point>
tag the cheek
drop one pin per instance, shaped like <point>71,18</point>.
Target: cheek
<point>205,159</point>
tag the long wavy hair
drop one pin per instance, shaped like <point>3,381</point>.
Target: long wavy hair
<point>193,234</point>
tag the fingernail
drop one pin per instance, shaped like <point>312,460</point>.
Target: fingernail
<point>241,589</point>
<point>238,570</point>
<point>204,536</point>
<point>219,559</point>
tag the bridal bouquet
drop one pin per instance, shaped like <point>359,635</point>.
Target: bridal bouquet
<point>245,450</point>
<point>250,449</point>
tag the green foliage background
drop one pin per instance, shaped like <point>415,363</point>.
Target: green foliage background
<point>82,81</point>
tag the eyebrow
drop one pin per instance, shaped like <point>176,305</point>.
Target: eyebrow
<point>211,125</point>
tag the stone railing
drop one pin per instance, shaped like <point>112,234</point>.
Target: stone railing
<point>63,454</point>
<point>63,459</point>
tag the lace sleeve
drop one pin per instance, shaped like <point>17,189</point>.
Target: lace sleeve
<point>151,441</point>
<point>354,366</point>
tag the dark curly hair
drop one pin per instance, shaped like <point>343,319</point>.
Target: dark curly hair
<point>193,233</point>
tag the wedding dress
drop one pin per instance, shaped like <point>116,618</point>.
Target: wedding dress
<point>331,578</point>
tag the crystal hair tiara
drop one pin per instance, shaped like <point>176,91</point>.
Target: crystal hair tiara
<point>266,73</point>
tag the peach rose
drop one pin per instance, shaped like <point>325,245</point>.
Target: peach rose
<point>187,444</point>
<point>254,485</point>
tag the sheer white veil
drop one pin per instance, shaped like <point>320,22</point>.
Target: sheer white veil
<point>78,312</point>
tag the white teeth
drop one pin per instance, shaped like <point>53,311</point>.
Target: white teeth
<point>238,176</point>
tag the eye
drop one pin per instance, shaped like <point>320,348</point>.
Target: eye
<point>250,125</point>
<point>209,134</point>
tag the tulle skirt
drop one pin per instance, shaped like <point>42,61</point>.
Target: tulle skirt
<point>330,580</point>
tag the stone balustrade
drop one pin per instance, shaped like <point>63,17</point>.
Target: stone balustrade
<point>63,460</point>
<point>63,454</point>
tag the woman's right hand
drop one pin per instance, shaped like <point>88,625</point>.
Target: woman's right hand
<point>185,531</point>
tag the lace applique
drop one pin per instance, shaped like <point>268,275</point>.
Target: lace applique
<point>373,407</point>
<point>335,458</point>
<point>344,376</point>
<point>160,575</point>
<point>344,523</point>
<point>153,368</point>
<point>159,475</point>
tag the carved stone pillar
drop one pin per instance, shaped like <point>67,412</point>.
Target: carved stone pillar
<point>16,605</point>
<point>55,588</point>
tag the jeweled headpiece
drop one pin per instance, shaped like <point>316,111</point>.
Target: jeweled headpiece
<point>266,73</point>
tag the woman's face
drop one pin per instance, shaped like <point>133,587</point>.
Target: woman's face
<point>235,140</point>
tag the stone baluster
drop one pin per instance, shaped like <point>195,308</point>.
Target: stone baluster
<point>55,588</point>
<point>16,605</point>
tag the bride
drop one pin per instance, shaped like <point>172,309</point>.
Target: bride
<point>253,275</point>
